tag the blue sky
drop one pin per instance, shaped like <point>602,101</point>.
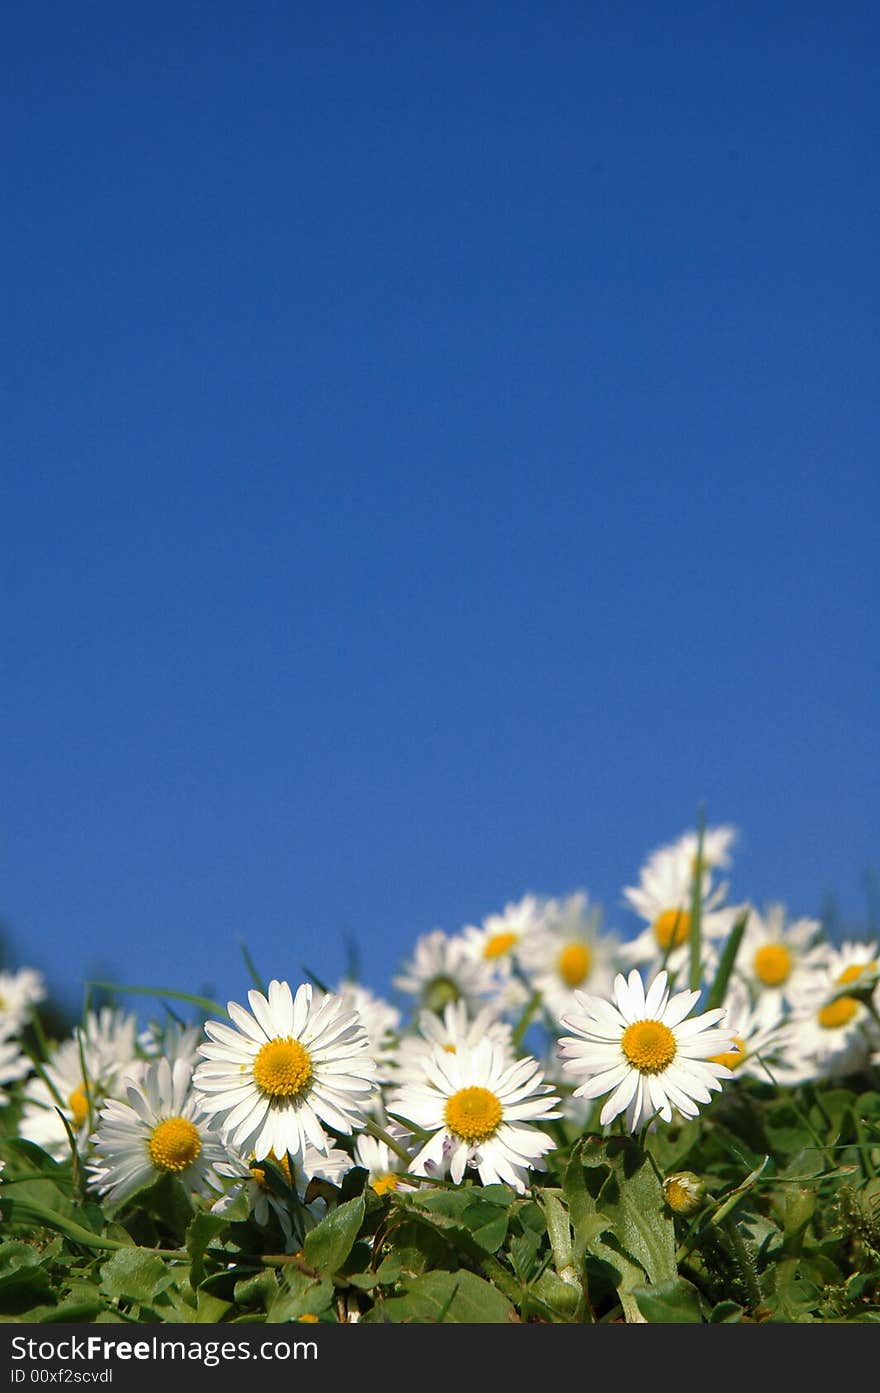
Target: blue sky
<point>441,455</point>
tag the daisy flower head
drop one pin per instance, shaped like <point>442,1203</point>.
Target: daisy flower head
<point>444,969</point>
<point>251,1179</point>
<point>286,1069</point>
<point>567,953</point>
<point>383,1166</point>
<point>480,1109</point>
<point>19,991</point>
<point>663,898</point>
<point>380,1021</point>
<point>777,959</point>
<point>160,1130</point>
<point>451,1031</point>
<point>644,1051</point>
<point>831,1033</point>
<point>82,1072</point>
<point>758,1040</point>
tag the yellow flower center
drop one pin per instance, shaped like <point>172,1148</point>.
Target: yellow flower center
<point>772,964</point>
<point>79,1106</point>
<point>499,944</point>
<point>174,1144</point>
<point>283,1069</point>
<point>649,1046</point>
<point>732,1059</point>
<point>473,1114</point>
<point>574,963</point>
<point>672,928</point>
<point>854,972</point>
<point>838,1013</point>
<point>450,1049</point>
<point>383,1183</point>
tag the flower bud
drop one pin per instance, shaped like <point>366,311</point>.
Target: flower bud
<point>683,1192</point>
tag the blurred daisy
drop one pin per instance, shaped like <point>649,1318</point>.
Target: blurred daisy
<point>480,1109</point>
<point>757,1037</point>
<point>832,1033</point>
<point>383,1166</point>
<point>827,1036</point>
<point>380,1021</point>
<point>502,935</point>
<point>19,991</point>
<point>160,1130</point>
<point>644,1052</point>
<point>251,1179</point>
<point>291,1065</point>
<point>566,953</point>
<point>80,1075</point>
<point>776,959</point>
<point>14,1065</point>
<point>664,896</point>
<point>444,969</point>
<point>172,1041</point>
<point>455,1029</point>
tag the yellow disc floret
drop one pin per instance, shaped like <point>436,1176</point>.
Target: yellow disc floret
<point>838,1013</point>
<point>174,1144</point>
<point>383,1183</point>
<point>499,944</point>
<point>79,1106</point>
<point>574,963</point>
<point>772,964</point>
<point>732,1059</point>
<point>672,928</point>
<point>854,972</point>
<point>649,1046</point>
<point>473,1114</point>
<point>283,1068</point>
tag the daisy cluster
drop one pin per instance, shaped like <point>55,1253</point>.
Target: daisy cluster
<point>280,1100</point>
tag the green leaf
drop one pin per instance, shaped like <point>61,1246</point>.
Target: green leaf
<point>453,1298</point>
<point>328,1244</point>
<point>203,1229</point>
<point>135,1274</point>
<point>300,1295</point>
<point>677,1302</point>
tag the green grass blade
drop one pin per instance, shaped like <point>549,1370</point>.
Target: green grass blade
<point>204,1003</point>
<point>725,967</point>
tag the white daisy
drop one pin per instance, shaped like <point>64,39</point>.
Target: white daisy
<point>444,969</point>
<point>643,1051</point>
<point>776,959</point>
<point>161,1130</point>
<point>566,953</point>
<point>663,897</point>
<point>14,1065</point>
<point>19,991</point>
<point>172,1041</point>
<point>480,1109</point>
<point>758,1041</point>
<point>831,1034</point>
<point>451,1031</point>
<point>383,1165</point>
<point>106,1046</point>
<point>501,936</point>
<point>380,1021</point>
<point>250,1178</point>
<point>289,1067</point>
